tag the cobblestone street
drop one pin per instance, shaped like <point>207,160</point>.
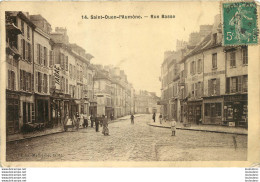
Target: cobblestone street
<point>138,142</point>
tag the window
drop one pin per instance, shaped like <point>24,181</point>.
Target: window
<point>245,56</point>
<point>38,56</point>
<point>51,58</point>
<point>245,83</point>
<point>11,80</point>
<point>41,55</point>
<point>67,62</point>
<point>199,66</point>
<point>45,57</point>
<point>214,38</point>
<point>67,86</point>
<point>213,109</point>
<point>233,59</point>
<point>22,27</point>
<point>29,52</point>
<point>28,32</point>
<point>214,61</point>
<point>234,84</point>
<point>39,82</point>
<point>214,86</point>
<point>45,83</point>
<point>29,82</point>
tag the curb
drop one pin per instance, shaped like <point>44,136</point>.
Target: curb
<point>213,131</point>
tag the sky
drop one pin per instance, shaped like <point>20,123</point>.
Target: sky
<point>136,46</point>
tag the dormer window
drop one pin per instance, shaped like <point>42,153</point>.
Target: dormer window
<point>214,38</point>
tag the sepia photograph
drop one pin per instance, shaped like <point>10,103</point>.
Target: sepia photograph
<point>130,82</point>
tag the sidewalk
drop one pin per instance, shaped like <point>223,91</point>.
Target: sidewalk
<point>206,128</point>
<point>21,136</point>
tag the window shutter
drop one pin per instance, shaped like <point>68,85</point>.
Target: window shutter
<point>26,51</point>
<point>239,78</point>
<point>9,79</point>
<point>218,86</point>
<point>24,80</point>
<point>42,55</point>
<point>36,81</point>
<point>202,89</point>
<point>51,61</point>
<point>27,81</point>
<point>191,68</point>
<point>14,80</point>
<point>21,48</point>
<point>228,85</point>
<point>21,79</point>
<point>42,84</point>
<point>209,87</point>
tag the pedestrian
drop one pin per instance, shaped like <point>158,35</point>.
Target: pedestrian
<point>92,119</point>
<point>65,122</point>
<point>97,124</point>
<point>154,115</point>
<point>132,119</point>
<point>105,130</point>
<point>173,127</point>
<point>160,117</point>
<point>85,117</point>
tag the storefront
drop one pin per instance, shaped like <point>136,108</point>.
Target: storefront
<point>213,107</point>
<point>236,110</point>
<point>12,112</point>
<point>42,105</point>
<point>194,110</point>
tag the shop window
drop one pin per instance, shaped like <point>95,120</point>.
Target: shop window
<point>213,109</point>
<point>245,56</point>
<point>229,112</point>
<point>214,61</point>
<point>232,59</point>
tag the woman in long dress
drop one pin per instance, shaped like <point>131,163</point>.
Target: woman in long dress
<point>105,126</point>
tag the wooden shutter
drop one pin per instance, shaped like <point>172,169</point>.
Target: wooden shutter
<point>202,89</point>
<point>24,80</point>
<point>218,86</point>
<point>26,51</point>
<point>42,55</point>
<point>228,85</point>
<point>239,81</point>
<point>21,79</point>
<point>51,58</point>
<point>209,88</point>
<point>14,80</point>
<point>36,81</point>
<point>9,79</point>
<point>42,84</point>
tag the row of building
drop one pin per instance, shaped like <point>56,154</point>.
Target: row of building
<point>49,77</point>
<point>204,82</point>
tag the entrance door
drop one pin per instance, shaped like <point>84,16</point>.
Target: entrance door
<point>198,114</point>
<point>237,110</point>
<point>12,116</point>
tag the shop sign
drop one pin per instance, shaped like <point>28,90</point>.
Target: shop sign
<point>235,97</point>
<point>57,75</point>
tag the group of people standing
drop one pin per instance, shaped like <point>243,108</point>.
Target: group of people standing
<point>172,123</point>
<point>98,121</point>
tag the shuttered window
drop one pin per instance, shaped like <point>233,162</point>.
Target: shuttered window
<point>232,59</point>
<point>227,85</point>
<point>245,56</point>
<point>214,61</point>
<point>36,82</point>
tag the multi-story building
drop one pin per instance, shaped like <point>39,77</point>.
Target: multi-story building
<point>13,58</point>
<point>19,70</point>
<point>212,81</point>
<point>146,102</point>
<point>43,63</point>
<point>102,91</point>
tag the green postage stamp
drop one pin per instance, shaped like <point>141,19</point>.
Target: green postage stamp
<point>239,23</point>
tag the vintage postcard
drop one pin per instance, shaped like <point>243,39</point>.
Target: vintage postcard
<point>130,84</point>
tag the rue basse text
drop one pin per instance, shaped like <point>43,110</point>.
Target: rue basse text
<point>162,16</point>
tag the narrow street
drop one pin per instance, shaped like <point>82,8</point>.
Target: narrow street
<point>138,142</point>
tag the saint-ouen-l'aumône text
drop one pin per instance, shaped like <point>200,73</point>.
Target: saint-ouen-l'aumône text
<point>126,16</point>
